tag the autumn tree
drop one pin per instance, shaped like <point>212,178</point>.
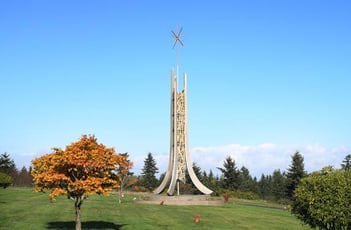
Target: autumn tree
<point>124,176</point>
<point>84,167</point>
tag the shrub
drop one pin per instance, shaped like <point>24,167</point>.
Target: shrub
<point>240,194</point>
<point>323,199</point>
<point>5,180</point>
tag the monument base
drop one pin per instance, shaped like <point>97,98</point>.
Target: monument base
<point>181,200</point>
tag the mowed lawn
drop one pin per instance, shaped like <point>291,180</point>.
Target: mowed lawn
<point>21,208</point>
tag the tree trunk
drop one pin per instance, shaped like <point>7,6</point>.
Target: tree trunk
<point>77,204</point>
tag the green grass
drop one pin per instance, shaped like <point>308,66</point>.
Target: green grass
<point>21,208</point>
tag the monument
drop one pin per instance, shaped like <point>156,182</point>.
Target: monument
<point>179,158</point>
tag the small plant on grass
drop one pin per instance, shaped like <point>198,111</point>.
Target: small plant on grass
<point>226,197</point>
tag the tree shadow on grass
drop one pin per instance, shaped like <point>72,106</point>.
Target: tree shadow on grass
<point>85,225</point>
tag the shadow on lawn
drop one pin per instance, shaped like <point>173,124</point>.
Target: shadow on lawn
<point>85,225</point>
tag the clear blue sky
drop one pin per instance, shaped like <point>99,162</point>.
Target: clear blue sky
<point>265,78</point>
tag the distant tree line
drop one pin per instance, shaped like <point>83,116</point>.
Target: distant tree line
<point>10,175</point>
<point>234,181</point>
<point>278,186</point>
<point>320,199</point>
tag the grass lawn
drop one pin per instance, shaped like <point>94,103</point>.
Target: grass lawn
<point>21,208</point>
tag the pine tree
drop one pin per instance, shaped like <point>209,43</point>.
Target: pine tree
<point>149,180</point>
<point>245,180</point>
<point>278,185</point>
<point>346,163</point>
<point>230,175</point>
<point>189,187</point>
<point>265,186</point>
<point>295,173</point>
<point>7,165</point>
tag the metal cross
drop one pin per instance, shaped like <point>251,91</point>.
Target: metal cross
<point>177,37</point>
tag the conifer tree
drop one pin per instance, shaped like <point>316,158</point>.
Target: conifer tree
<point>230,174</point>
<point>295,173</point>
<point>346,163</point>
<point>7,165</point>
<point>149,180</point>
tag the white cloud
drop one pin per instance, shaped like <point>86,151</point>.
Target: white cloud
<point>29,154</point>
<point>261,158</point>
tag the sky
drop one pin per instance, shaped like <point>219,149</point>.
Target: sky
<point>265,79</point>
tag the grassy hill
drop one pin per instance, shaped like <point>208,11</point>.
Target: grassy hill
<point>21,208</point>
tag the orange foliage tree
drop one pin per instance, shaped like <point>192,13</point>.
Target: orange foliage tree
<point>124,176</point>
<point>85,167</point>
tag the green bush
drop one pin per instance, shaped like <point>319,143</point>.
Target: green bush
<point>240,194</point>
<point>323,199</point>
<point>5,180</point>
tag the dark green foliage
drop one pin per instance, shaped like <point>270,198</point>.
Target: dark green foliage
<point>245,180</point>
<point>149,180</point>
<point>346,163</point>
<point>230,174</point>
<point>239,194</point>
<point>323,199</point>
<point>189,187</point>
<point>210,181</point>
<point>5,180</point>
<point>8,170</point>
<point>265,187</point>
<point>7,165</point>
<point>278,185</point>
<point>295,173</point>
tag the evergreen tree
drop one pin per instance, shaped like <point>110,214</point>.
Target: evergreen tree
<point>205,178</point>
<point>346,163</point>
<point>230,174</point>
<point>189,187</point>
<point>7,165</point>
<point>254,186</point>
<point>278,185</point>
<point>245,180</point>
<point>149,171</point>
<point>209,180</point>
<point>265,186</point>
<point>212,182</point>
<point>295,173</point>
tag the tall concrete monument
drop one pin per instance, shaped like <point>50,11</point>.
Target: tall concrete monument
<point>179,159</point>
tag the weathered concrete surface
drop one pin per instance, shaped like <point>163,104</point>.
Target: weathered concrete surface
<point>181,200</point>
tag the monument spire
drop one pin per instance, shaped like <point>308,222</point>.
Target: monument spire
<point>179,157</point>
<point>177,39</point>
